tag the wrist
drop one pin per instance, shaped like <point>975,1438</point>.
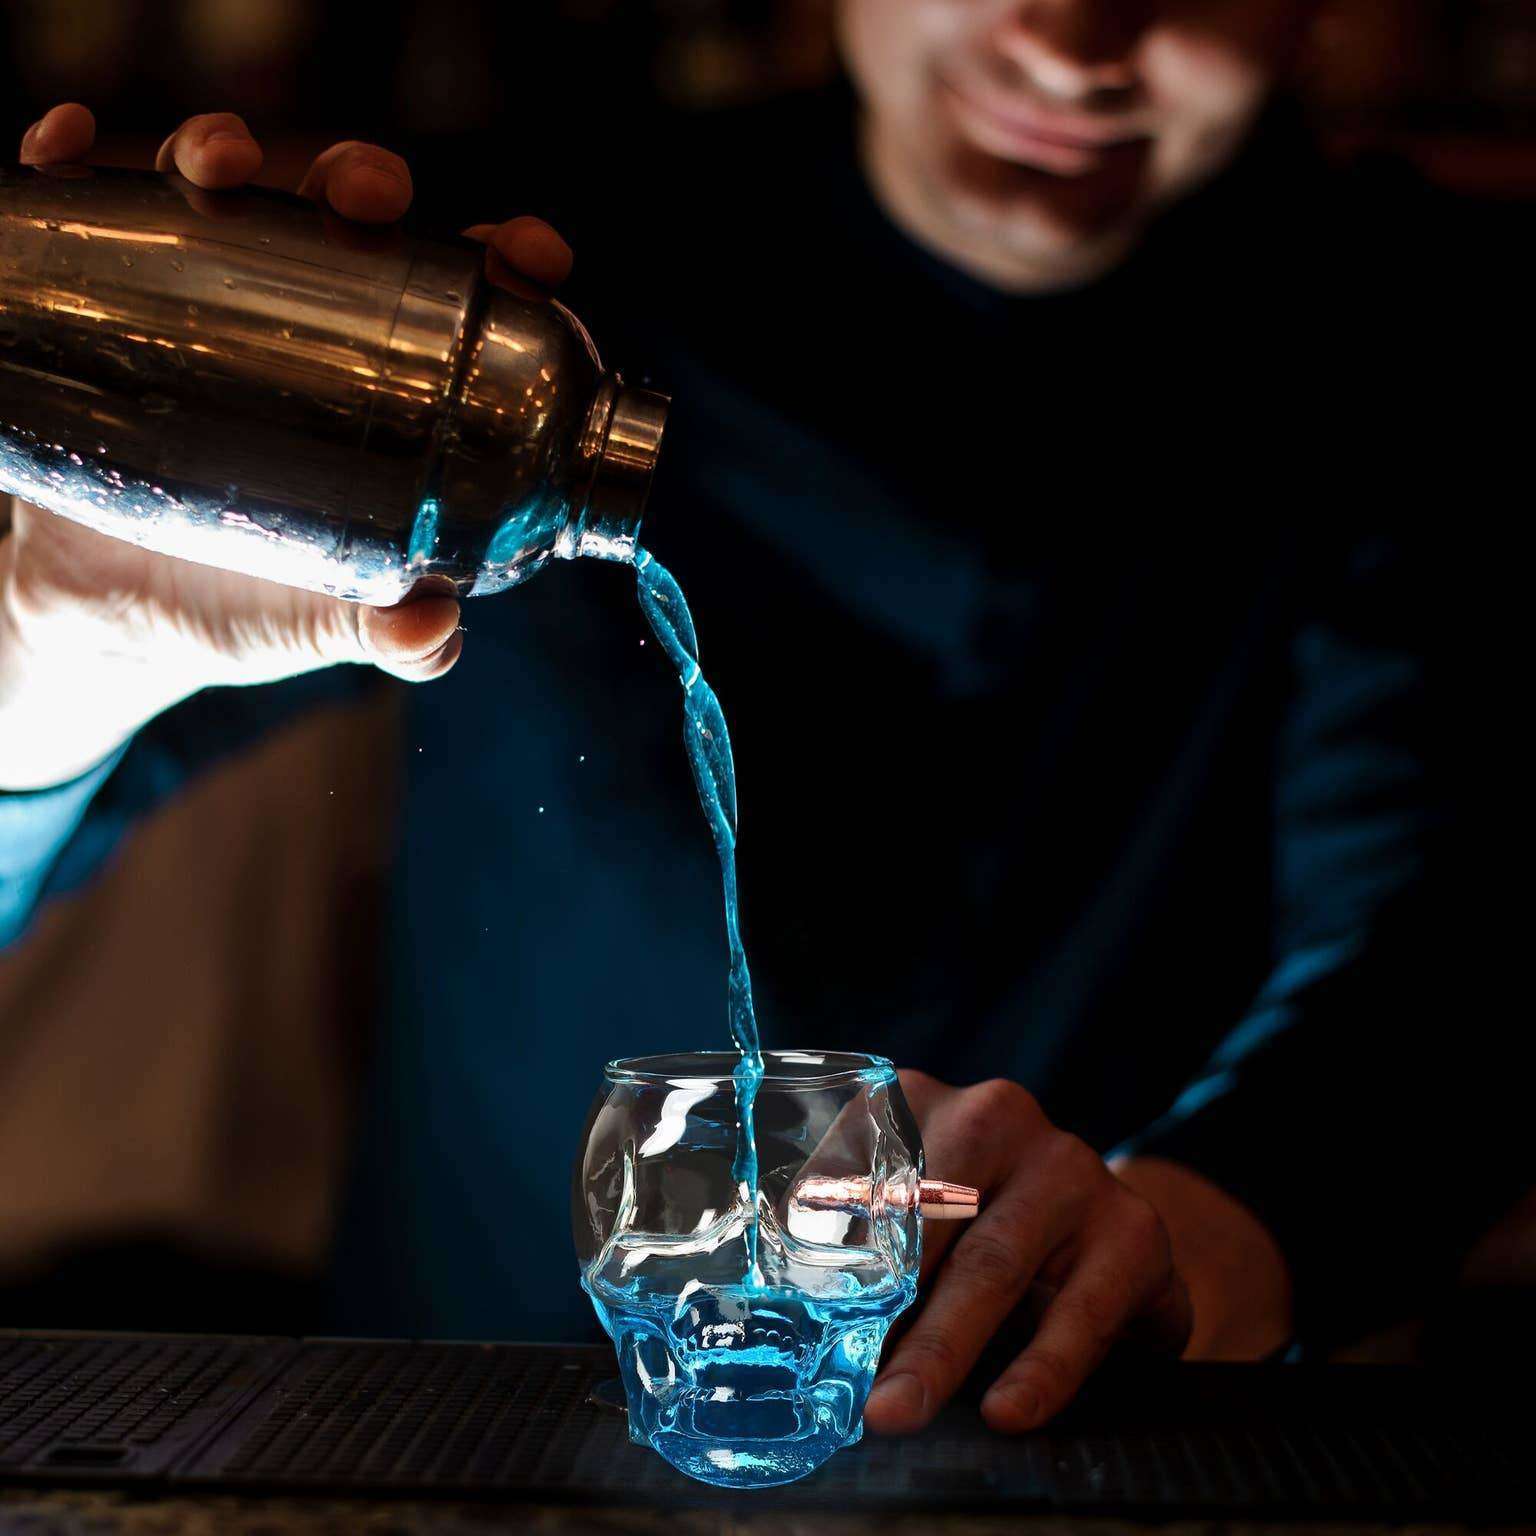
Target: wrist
<point>1239,1283</point>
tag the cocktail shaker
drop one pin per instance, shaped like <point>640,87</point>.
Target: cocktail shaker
<point>242,379</point>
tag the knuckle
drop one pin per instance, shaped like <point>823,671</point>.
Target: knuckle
<point>1071,1160</point>
<point>975,1123</point>
<point>932,1354</point>
<point>1097,1313</point>
<point>358,632</point>
<point>988,1262</point>
<point>1000,1098</point>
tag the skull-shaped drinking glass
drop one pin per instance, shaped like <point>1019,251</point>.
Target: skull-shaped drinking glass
<point>747,1347</point>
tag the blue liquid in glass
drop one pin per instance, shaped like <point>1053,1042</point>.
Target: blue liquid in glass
<point>714,772</point>
<point>747,1386</point>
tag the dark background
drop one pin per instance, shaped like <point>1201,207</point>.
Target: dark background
<point>1451,83</point>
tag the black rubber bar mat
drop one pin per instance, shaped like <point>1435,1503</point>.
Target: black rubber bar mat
<point>121,1406</point>
<point>520,1421</point>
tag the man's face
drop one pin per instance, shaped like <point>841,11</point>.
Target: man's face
<point>1030,139</point>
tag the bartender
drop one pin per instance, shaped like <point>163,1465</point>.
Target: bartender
<point>1083,771</point>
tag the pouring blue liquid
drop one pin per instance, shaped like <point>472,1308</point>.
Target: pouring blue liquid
<point>733,1380</point>
<point>708,744</point>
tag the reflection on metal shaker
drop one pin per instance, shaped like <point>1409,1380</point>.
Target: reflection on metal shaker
<point>240,379</point>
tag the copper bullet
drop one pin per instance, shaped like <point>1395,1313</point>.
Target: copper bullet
<point>936,1200</point>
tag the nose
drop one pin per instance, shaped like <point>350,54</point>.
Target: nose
<point>1073,49</point>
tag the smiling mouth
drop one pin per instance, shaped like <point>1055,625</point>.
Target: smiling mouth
<point>1065,143</point>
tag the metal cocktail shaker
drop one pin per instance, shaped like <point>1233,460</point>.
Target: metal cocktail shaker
<point>240,379</point>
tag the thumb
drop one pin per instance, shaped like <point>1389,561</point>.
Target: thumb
<point>416,640</point>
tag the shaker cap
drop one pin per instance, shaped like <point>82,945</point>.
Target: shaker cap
<point>622,479</point>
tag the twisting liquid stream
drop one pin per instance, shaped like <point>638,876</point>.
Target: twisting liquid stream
<point>714,772</point>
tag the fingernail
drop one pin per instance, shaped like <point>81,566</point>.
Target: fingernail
<point>1017,1402</point>
<point>384,172</point>
<point>902,1394</point>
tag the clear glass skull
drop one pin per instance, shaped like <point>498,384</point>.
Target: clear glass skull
<point>745,1374</point>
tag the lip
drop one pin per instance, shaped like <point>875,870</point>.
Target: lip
<point>1068,143</point>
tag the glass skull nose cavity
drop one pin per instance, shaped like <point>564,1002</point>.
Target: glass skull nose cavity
<point>747,1379</point>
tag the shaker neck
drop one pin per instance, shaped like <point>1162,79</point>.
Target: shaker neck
<point>624,433</point>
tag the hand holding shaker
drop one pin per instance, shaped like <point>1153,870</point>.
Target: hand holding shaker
<point>235,379</point>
